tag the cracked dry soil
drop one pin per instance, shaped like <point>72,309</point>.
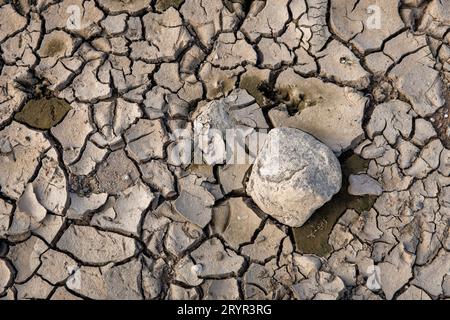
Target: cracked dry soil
<point>94,205</point>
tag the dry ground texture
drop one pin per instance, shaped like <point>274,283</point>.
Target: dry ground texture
<point>95,204</point>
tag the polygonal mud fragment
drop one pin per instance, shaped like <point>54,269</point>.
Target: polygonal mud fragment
<point>419,82</point>
<point>166,37</point>
<point>50,184</point>
<point>146,140</point>
<point>158,176</point>
<point>396,270</point>
<point>338,63</point>
<point>87,87</point>
<point>265,19</point>
<point>365,24</point>
<point>5,275</point>
<point>92,246</point>
<point>208,19</point>
<point>311,101</point>
<point>226,289</point>
<point>181,236</point>
<point>324,286</point>
<point>25,257</point>
<point>436,19</point>
<point>312,22</point>
<point>77,16</point>
<point>35,288</point>
<point>232,177</point>
<point>230,51</point>
<point>236,222</point>
<point>11,21</point>
<point>265,245</point>
<point>237,115</point>
<point>73,131</point>
<point>218,82</point>
<point>21,149</point>
<point>273,54</point>
<point>213,260</point>
<point>185,272</point>
<point>116,173</point>
<point>11,97</point>
<point>392,119</point>
<point>29,213</point>
<point>195,201</point>
<point>56,267</point>
<point>123,212</point>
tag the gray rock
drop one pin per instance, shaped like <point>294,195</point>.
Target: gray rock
<point>293,175</point>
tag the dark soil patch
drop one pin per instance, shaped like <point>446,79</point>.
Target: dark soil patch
<point>43,113</point>
<point>312,237</point>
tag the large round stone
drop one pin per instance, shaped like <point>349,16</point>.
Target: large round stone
<point>293,175</point>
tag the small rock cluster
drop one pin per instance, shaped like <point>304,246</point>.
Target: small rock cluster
<point>99,198</point>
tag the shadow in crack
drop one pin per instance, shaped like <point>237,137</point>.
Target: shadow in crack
<point>312,237</point>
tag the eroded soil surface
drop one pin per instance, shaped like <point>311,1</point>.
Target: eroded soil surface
<point>94,204</point>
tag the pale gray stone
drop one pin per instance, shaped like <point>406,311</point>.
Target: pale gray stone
<point>294,175</point>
